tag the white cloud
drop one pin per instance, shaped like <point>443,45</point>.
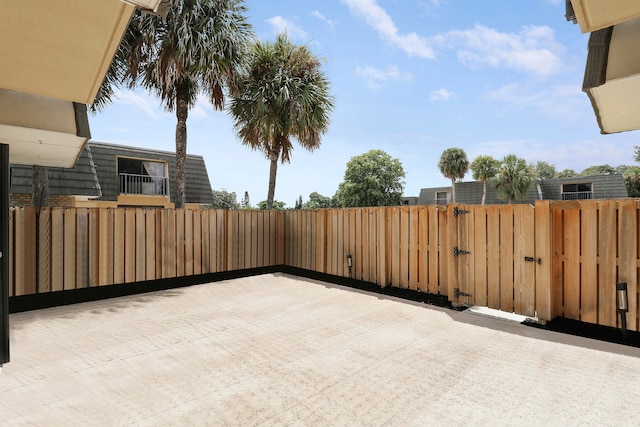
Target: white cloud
<point>565,103</point>
<point>201,108</point>
<point>441,95</point>
<point>577,154</point>
<point>323,18</point>
<point>147,104</point>
<point>375,16</point>
<point>281,25</point>
<point>376,78</point>
<point>533,49</point>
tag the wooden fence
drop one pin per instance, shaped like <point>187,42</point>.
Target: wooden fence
<point>78,248</point>
<point>554,259</point>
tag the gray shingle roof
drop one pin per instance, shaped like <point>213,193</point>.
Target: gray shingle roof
<point>198,186</point>
<point>470,192</point>
<point>96,174</point>
<point>78,181</point>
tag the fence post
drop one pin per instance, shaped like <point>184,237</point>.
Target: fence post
<point>546,305</point>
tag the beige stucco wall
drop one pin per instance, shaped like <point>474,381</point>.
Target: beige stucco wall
<point>37,112</point>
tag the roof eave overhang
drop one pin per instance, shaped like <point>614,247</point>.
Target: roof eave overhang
<point>42,131</point>
<point>612,76</point>
<point>594,15</point>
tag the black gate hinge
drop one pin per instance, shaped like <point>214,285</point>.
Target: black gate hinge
<point>532,259</point>
<point>457,211</point>
<point>458,293</point>
<point>457,251</point>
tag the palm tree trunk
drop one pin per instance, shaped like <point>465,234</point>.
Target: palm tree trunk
<point>453,191</point>
<point>273,169</point>
<point>484,191</point>
<point>40,178</point>
<point>182,111</point>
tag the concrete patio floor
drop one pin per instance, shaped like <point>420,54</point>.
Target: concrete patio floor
<point>280,350</point>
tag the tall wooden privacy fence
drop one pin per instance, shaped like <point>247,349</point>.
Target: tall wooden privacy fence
<point>70,248</point>
<point>554,259</point>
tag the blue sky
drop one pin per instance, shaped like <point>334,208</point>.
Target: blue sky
<point>410,77</point>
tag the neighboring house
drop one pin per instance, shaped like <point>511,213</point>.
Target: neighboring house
<point>115,175</point>
<point>573,188</point>
<point>411,200</point>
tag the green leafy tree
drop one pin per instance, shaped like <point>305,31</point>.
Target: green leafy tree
<point>222,199</point>
<point>566,173</point>
<point>636,153</point>
<point>624,169</point>
<point>514,178</point>
<point>276,206</point>
<point>318,201</point>
<point>598,170</point>
<point>632,180</point>
<point>484,168</point>
<point>299,203</point>
<point>198,48</point>
<point>283,96</point>
<point>371,179</point>
<point>454,165</point>
<point>545,170</point>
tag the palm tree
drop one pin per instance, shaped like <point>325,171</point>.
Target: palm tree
<point>198,48</point>
<point>513,178</point>
<point>484,168</point>
<point>283,95</point>
<point>454,165</point>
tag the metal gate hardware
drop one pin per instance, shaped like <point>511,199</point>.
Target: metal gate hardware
<point>532,259</point>
<point>458,293</point>
<point>457,251</point>
<point>457,211</point>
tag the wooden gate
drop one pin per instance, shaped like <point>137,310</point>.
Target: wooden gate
<point>493,257</point>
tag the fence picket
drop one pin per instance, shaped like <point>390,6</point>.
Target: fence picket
<point>44,251</point>
<point>607,258</point>
<point>70,260</point>
<point>57,249</point>
<point>588,262</point>
<point>493,257</point>
<point>506,258</point>
<point>480,256</point>
<point>628,255</point>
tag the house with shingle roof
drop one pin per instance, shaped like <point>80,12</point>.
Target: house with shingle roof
<point>610,186</point>
<point>111,175</point>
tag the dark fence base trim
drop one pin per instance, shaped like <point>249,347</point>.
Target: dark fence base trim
<point>408,294</point>
<point>22,303</point>
<point>589,330</point>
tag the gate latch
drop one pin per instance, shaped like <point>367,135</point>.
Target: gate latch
<point>457,251</point>
<point>458,293</point>
<point>532,259</point>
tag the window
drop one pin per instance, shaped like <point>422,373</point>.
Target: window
<point>139,176</point>
<point>442,197</point>
<point>576,191</point>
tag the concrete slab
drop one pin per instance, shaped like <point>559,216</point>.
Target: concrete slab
<point>277,349</point>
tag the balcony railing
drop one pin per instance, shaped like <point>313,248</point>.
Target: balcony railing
<point>144,184</point>
<point>577,195</point>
